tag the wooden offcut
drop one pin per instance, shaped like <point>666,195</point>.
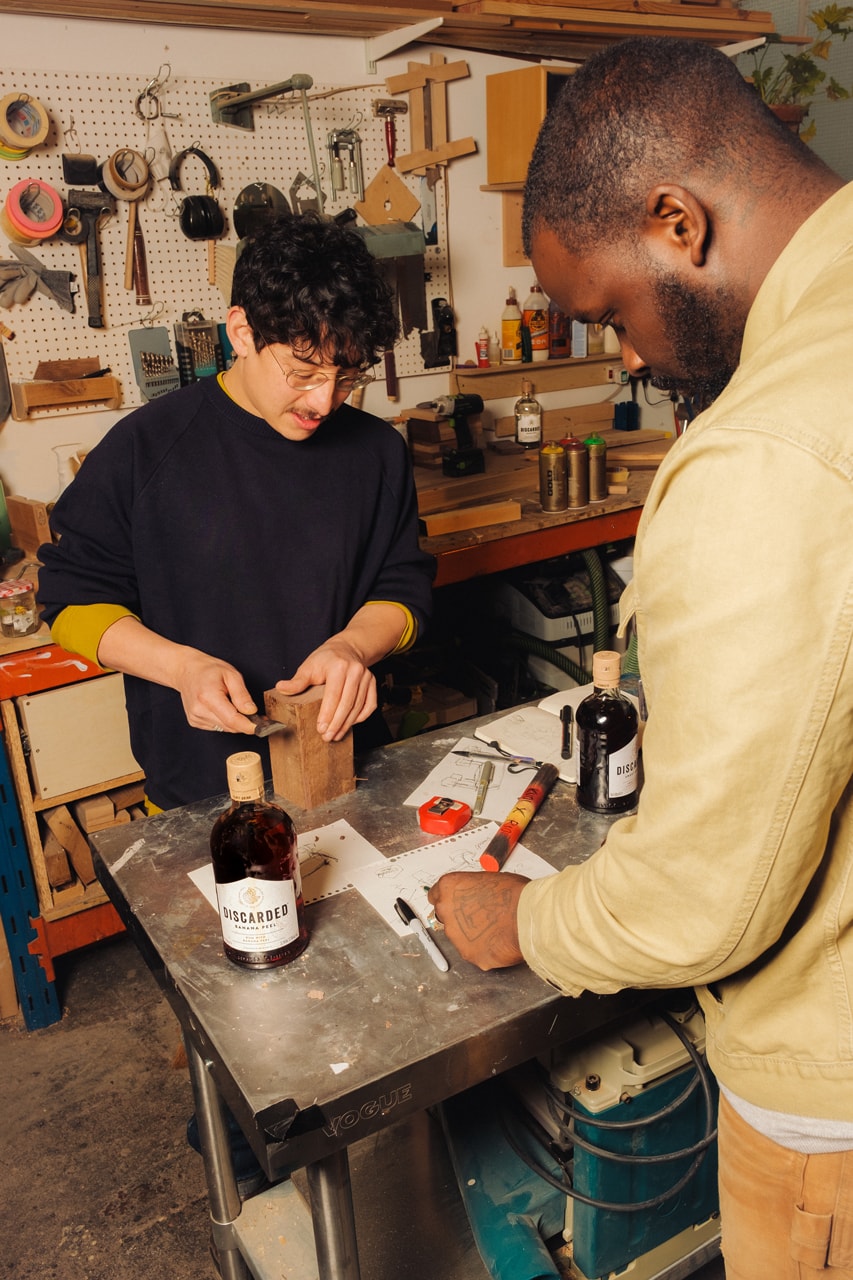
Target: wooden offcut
<point>305,769</point>
<point>69,835</point>
<point>476,517</point>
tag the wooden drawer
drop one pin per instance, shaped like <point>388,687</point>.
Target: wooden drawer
<point>77,735</point>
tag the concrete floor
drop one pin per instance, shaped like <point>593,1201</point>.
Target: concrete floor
<point>96,1179</point>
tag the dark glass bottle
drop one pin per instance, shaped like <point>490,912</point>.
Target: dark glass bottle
<point>606,724</point>
<point>256,869</point>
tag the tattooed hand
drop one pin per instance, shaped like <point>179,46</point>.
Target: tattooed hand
<point>478,911</point>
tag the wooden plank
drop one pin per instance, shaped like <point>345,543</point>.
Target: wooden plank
<point>422,74</point>
<point>471,517</point>
<point>436,155</point>
<point>23,788</point>
<point>513,481</point>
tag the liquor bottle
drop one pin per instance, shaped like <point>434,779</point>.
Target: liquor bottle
<point>528,418</point>
<point>534,317</point>
<point>256,870</point>
<point>511,330</point>
<point>606,723</point>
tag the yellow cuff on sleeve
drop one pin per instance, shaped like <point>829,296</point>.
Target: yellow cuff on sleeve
<point>410,630</point>
<point>79,627</point>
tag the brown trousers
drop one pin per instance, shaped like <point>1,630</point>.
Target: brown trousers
<point>784,1216</point>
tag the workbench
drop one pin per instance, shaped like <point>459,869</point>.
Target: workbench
<point>538,535</point>
<point>360,1033</point>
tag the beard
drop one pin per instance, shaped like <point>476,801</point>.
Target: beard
<point>706,336</point>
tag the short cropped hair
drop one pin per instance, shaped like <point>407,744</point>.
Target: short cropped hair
<point>643,111</point>
<point>309,283</point>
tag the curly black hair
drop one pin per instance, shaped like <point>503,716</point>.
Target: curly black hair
<point>309,283</point>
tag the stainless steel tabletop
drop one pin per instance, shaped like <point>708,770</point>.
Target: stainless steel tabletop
<point>361,1030</point>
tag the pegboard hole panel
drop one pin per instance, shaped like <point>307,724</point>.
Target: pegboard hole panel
<point>95,115</point>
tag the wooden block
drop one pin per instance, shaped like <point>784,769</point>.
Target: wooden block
<point>29,523</point>
<point>305,769</point>
<point>387,199</point>
<point>94,813</point>
<point>470,517</point>
<point>128,796</point>
<point>69,835</point>
<point>56,862</point>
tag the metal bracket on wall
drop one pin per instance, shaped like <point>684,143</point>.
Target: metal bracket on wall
<point>378,47</point>
<point>223,112</point>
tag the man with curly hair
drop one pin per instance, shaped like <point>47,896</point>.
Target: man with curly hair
<point>252,529</point>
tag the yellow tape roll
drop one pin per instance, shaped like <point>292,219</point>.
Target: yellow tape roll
<point>24,122</point>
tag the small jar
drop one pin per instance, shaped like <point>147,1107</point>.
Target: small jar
<point>18,613</point>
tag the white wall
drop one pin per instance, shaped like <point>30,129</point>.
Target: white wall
<point>479,282</point>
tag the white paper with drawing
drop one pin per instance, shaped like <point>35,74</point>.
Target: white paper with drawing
<point>409,875</point>
<point>327,858</point>
<point>458,776</point>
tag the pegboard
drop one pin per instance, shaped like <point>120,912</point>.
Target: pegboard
<point>100,113</point>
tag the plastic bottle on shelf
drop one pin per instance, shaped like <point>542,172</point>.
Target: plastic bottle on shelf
<point>595,340</point>
<point>482,347</point>
<point>534,317</point>
<point>511,330</point>
<point>256,871</point>
<point>559,333</point>
<point>607,741</point>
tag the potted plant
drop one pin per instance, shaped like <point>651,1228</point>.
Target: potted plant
<point>790,87</point>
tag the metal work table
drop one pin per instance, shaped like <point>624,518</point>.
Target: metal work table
<point>357,1034</point>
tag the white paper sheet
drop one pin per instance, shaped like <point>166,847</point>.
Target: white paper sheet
<point>327,857</point>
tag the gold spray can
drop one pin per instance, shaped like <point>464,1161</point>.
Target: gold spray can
<point>553,477</point>
<point>597,450</point>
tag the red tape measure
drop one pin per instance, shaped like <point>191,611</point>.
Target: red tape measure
<point>443,816</point>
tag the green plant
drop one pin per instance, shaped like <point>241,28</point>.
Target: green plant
<point>800,78</point>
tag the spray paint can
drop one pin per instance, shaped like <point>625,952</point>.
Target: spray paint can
<point>553,477</point>
<point>597,450</point>
<point>577,458</point>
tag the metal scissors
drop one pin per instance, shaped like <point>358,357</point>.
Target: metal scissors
<point>515,764</point>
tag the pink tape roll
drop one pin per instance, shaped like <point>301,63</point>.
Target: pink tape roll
<point>33,210</point>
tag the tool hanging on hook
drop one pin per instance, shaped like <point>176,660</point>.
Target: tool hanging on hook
<point>386,109</point>
<point>345,169</point>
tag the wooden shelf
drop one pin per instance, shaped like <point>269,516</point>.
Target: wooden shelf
<point>504,380</point>
<point>524,30</point>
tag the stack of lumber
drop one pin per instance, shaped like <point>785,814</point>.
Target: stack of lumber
<point>67,856</point>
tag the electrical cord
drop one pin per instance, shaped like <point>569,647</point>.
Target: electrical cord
<point>699,1150</point>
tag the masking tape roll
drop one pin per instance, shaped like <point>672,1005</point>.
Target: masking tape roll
<point>24,123</point>
<point>33,210</point>
<point>125,175</point>
<point>12,153</point>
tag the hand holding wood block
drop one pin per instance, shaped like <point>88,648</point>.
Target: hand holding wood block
<point>305,769</point>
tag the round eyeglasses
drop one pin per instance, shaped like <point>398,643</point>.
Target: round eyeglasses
<point>311,379</point>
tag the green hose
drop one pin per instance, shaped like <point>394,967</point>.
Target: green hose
<point>524,643</point>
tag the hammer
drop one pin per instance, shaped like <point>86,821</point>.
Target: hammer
<point>91,207</point>
<point>387,109</point>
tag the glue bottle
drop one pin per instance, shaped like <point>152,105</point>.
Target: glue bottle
<point>511,330</point>
<point>482,347</point>
<point>535,319</point>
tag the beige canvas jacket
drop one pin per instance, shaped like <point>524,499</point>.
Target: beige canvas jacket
<point>736,873</point>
